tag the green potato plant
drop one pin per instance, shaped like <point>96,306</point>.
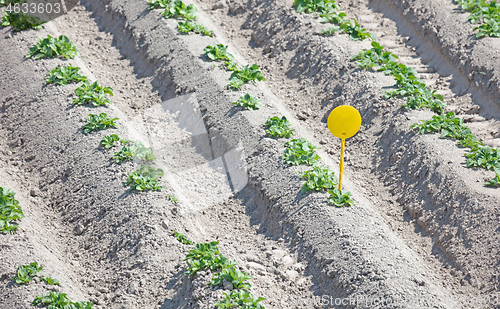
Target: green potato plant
<point>145,178</point>
<point>248,73</point>
<point>186,27</point>
<point>300,151</point>
<point>182,238</point>
<point>233,275</point>
<point>240,299</point>
<point>26,273</point>
<point>340,199</point>
<point>218,53</point>
<point>57,300</point>
<point>278,127</point>
<point>249,102</point>
<point>51,47</point>
<point>108,141</point>
<point>99,122</point>
<point>9,211</point>
<point>178,8</point>
<point>20,21</point>
<point>134,151</point>
<point>158,4</point>
<point>50,281</point>
<point>94,94</point>
<point>449,125</point>
<point>318,179</point>
<point>64,75</point>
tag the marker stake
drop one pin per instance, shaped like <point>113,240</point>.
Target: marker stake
<point>344,122</point>
<point>342,148</point>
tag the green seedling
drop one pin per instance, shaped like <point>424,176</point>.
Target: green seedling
<point>240,299</point>
<point>487,12</point>
<point>248,73</point>
<point>50,281</point>
<point>172,198</point>
<point>249,102</point>
<point>339,199</point>
<point>233,275</point>
<point>318,179</point>
<point>329,31</point>
<point>278,127</point>
<point>99,122</point>
<point>9,211</point>
<point>333,15</point>
<point>417,93</point>
<point>179,9</point>
<point>377,59</point>
<point>206,255</point>
<point>186,27</point>
<point>231,66</point>
<point>355,31</point>
<point>469,5</point>
<point>158,4</point>
<point>56,300</point>
<point>53,47</point>
<point>26,273</point>
<point>484,156</point>
<point>134,151</point>
<point>490,29</point>
<point>484,10</point>
<point>300,151</point>
<point>218,53</point>
<point>449,125</point>
<point>235,83</point>
<point>310,6</point>
<point>409,86</point>
<point>145,178</point>
<point>108,141</point>
<point>20,21</point>
<point>470,141</point>
<point>182,238</point>
<point>6,2</point>
<point>495,182</point>
<point>92,93</point>
<point>64,75</point>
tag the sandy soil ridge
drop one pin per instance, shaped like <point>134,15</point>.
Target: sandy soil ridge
<point>120,244</point>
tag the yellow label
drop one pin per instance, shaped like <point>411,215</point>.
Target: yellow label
<point>344,121</point>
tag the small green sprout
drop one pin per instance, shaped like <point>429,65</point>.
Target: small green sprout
<point>26,273</point>
<point>278,127</point>
<point>182,238</point>
<point>249,102</point>
<point>64,75</point>
<point>51,47</point>
<point>99,122</point>
<point>339,199</point>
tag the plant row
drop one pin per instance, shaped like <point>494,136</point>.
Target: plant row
<point>206,256</point>
<point>145,177</point>
<point>418,95</point>
<point>478,156</point>
<point>330,12</point>
<point>485,13</point>
<point>299,151</point>
<point>55,300</point>
<point>10,211</point>
<point>409,86</point>
<point>14,16</point>
<point>178,9</point>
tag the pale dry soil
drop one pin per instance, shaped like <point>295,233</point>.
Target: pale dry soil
<point>116,248</point>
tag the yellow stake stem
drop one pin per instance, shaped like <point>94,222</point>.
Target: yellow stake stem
<point>342,147</point>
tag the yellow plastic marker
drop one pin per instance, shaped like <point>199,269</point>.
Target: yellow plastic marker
<point>344,122</point>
